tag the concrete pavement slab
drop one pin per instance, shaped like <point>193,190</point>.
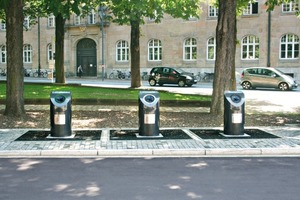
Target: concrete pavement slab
<point>286,144</point>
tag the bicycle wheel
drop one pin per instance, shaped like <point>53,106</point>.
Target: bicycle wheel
<point>35,74</point>
<point>111,76</point>
<point>44,74</point>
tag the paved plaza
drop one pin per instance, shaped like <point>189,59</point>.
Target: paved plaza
<point>286,143</point>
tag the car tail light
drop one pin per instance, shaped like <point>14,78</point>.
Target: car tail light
<point>242,75</point>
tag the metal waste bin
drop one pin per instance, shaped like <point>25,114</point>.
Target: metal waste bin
<point>148,113</point>
<point>234,113</point>
<point>60,113</point>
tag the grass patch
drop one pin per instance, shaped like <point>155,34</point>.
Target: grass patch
<point>42,91</point>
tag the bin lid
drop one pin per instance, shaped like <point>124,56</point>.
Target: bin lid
<point>149,98</point>
<point>236,98</point>
<point>60,98</point>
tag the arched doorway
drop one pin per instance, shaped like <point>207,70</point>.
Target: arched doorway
<point>86,57</point>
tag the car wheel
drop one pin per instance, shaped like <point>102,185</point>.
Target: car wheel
<point>152,82</point>
<point>189,85</point>
<point>246,85</point>
<point>283,86</point>
<point>181,83</point>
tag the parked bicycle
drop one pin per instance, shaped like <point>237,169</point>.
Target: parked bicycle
<point>118,74</point>
<point>27,72</point>
<point>43,73</point>
<point>205,77</point>
<point>3,72</point>
<point>127,74</point>
<point>113,75</point>
<point>121,75</point>
<point>145,76</point>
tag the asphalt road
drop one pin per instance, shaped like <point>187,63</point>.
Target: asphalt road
<point>150,178</point>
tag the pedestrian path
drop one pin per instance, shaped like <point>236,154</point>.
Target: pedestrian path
<point>286,144</point>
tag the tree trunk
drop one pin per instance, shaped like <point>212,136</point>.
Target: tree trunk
<point>135,54</point>
<point>224,78</point>
<point>59,49</point>
<point>15,72</point>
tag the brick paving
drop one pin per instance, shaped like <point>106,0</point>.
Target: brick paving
<point>287,144</point>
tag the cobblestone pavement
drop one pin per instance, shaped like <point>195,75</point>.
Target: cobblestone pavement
<point>287,143</point>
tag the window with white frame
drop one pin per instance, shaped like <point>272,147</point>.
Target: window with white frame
<point>3,54</point>
<point>250,48</point>
<point>122,51</point>
<point>92,17</point>
<point>27,53</point>
<point>77,20</point>
<point>50,52</point>
<point>211,49</point>
<point>190,49</point>
<point>291,6</point>
<point>213,11</point>
<point>289,46</point>
<point>251,9</point>
<point>26,23</point>
<point>154,50</point>
<point>3,24</point>
<point>51,21</point>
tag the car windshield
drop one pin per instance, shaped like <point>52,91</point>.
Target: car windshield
<point>180,70</point>
<point>279,72</point>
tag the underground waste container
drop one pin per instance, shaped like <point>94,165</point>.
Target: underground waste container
<point>148,113</point>
<point>60,113</point>
<point>234,112</point>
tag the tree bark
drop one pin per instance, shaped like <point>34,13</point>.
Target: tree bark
<point>59,49</point>
<point>224,78</point>
<point>135,54</point>
<point>15,72</point>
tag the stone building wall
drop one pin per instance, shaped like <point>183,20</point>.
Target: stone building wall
<point>172,33</point>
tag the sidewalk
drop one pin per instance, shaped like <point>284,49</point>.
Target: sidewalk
<point>287,142</point>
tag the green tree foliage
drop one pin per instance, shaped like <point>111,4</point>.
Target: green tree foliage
<point>133,13</point>
<point>62,11</point>
<point>272,3</point>
<point>13,12</point>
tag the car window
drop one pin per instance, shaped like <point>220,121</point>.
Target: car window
<point>156,70</point>
<point>260,71</point>
<point>173,71</point>
<point>252,71</point>
<point>166,70</point>
<point>266,72</point>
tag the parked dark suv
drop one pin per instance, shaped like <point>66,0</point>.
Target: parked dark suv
<point>169,75</point>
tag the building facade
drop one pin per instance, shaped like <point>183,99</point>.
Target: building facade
<point>263,39</point>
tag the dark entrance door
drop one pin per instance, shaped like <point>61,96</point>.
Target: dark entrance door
<point>86,57</point>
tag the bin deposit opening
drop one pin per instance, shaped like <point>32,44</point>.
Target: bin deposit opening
<point>60,98</point>
<point>235,98</point>
<point>149,98</point>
